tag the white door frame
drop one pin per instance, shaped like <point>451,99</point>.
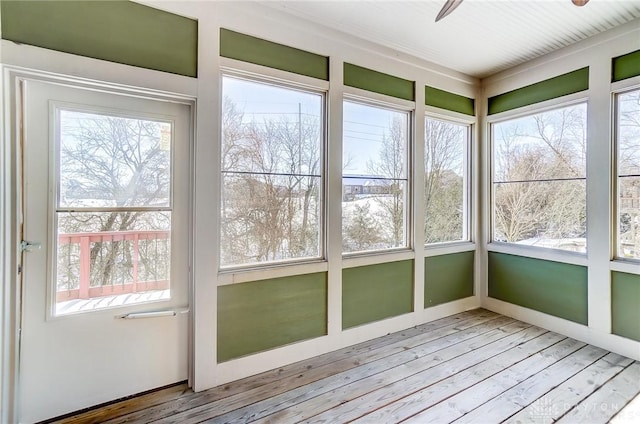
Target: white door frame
<point>10,216</point>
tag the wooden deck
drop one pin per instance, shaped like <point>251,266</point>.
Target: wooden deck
<point>476,366</point>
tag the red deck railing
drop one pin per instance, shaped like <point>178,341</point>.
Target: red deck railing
<point>85,290</point>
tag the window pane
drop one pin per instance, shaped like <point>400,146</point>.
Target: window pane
<point>629,215</point>
<point>374,142</point>
<point>547,145</point>
<point>445,181</point>
<point>375,145</point>
<point>109,161</point>
<point>545,214</point>
<point>272,170</point>
<point>629,133</point>
<point>107,259</point>
<point>267,217</point>
<point>539,168</point>
<point>373,214</point>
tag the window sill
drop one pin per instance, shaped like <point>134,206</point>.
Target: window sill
<point>539,253</point>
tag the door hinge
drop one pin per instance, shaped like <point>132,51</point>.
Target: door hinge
<point>27,246</point>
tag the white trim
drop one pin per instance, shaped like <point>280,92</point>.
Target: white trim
<point>374,258</point>
<point>206,214</point>
<point>438,249</point>
<point>629,267</point>
<point>268,272</point>
<point>9,234</point>
<point>94,72</point>
<point>600,234</point>
<point>611,342</point>
<point>259,73</point>
<point>543,253</point>
<point>540,107</point>
<point>373,99</point>
<point>417,186</point>
<point>333,209</point>
<point>628,84</point>
<point>449,115</point>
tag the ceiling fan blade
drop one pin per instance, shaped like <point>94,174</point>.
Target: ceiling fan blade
<point>579,2</point>
<point>448,7</point>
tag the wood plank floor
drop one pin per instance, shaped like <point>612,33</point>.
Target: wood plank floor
<point>476,366</point>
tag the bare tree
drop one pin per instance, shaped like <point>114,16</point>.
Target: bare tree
<point>539,186</point>
<point>271,187</point>
<point>444,181</point>
<point>113,163</point>
<point>391,164</point>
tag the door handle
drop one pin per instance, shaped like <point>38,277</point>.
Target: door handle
<point>28,246</point>
<point>152,314</point>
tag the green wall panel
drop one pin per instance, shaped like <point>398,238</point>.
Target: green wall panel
<point>117,31</point>
<point>370,80</point>
<point>554,288</point>
<point>449,101</point>
<point>375,292</point>
<point>448,278</point>
<point>246,48</point>
<point>261,315</point>
<point>562,85</point>
<point>625,305</point>
<point>626,66</point>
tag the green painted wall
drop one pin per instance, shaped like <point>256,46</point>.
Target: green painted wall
<point>246,48</point>
<point>261,315</point>
<point>554,288</point>
<point>562,85</point>
<point>448,278</point>
<point>375,292</point>
<point>625,305</point>
<point>370,80</point>
<point>626,66</point>
<point>117,31</point>
<point>449,101</point>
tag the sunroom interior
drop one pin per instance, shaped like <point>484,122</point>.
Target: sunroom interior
<point>337,182</point>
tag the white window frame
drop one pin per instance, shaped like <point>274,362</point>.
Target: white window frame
<point>538,252</point>
<point>615,196</point>
<point>381,101</point>
<point>236,273</point>
<point>468,180</point>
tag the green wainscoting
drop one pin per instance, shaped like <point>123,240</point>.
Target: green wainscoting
<point>554,288</point>
<point>449,101</point>
<point>625,305</point>
<point>246,48</point>
<point>448,278</point>
<point>378,82</point>
<point>552,88</point>
<point>375,292</point>
<point>117,31</point>
<point>261,315</point>
<point>625,66</point>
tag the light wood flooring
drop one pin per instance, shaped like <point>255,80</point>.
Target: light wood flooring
<point>476,366</point>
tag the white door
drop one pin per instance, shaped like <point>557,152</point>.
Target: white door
<point>105,298</point>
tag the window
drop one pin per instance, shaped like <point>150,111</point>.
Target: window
<point>628,152</point>
<point>374,178</point>
<point>272,168</point>
<point>446,181</point>
<point>539,179</point>
<point>113,211</point>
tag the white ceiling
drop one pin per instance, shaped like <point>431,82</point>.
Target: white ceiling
<point>480,38</point>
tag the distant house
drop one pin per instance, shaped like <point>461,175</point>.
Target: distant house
<point>354,186</point>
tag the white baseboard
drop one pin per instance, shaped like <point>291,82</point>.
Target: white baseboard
<point>621,345</point>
